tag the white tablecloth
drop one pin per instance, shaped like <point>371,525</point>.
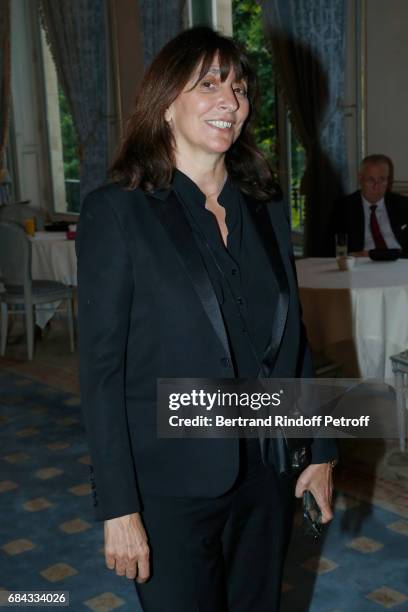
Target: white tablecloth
<point>358,317</point>
<point>52,258</point>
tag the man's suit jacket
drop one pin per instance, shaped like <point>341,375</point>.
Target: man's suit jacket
<point>147,310</point>
<point>350,219</point>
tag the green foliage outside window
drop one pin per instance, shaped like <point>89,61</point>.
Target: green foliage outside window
<point>69,154</point>
<point>247,27</point>
<point>298,163</point>
<point>69,140</point>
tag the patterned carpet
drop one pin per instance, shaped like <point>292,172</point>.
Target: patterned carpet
<point>49,541</point>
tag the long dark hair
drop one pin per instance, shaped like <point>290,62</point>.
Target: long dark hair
<point>146,157</point>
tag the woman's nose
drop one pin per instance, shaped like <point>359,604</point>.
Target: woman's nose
<point>228,101</point>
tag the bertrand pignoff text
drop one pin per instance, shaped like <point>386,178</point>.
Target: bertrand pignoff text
<point>208,401</point>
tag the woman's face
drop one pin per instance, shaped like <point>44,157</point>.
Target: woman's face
<point>208,118</point>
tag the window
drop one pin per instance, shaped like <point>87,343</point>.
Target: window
<point>297,165</point>
<point>70,154</point>
<point>247,27</point>
<point>285,153</point>
<point>63,146</point>
<point>273,131</point>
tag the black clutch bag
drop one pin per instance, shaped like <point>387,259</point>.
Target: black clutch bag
<point>289,456</point>
<point>384,254</point>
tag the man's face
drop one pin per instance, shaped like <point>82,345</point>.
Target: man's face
<point>373,180</point>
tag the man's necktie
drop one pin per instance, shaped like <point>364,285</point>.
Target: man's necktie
<point>375,229</point>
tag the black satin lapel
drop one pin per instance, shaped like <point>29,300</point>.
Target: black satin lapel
<point>172,217</point>
<point>266,231</point>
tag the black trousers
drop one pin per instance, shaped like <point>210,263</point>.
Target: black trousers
<point>224,554</point>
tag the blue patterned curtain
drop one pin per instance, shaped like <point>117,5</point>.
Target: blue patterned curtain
<point>76,34</point>
<point>4,91</point>
<point>161,20</point>
<point>308,45</point>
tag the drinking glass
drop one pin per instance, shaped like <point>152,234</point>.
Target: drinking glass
<point>29,226</point>
<point>341,245</point>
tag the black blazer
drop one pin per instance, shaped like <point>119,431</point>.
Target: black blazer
<point>147,310</point>
<point>349,219</point>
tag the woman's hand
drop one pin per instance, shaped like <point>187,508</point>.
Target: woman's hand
<point>318,479</point>
<point>126,548</point>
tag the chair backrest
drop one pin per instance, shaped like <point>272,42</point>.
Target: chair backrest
<point>18,212</point>
<point>15,255</point>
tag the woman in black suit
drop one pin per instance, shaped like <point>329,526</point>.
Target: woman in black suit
<point>185,271</point>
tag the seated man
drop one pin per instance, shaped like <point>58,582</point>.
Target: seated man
<point>373,217</point>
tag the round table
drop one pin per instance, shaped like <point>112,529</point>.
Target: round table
<point>359,317</point>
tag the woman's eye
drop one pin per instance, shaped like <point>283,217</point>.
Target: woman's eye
<point>207,84</point>
<point>240,90</point>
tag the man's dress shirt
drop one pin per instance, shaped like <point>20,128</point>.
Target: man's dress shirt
<point>384,225</point>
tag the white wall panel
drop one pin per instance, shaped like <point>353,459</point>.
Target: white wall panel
<point>30,170</point>
<point>386,94</point>
<point>27,106</point>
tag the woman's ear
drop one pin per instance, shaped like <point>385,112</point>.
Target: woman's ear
<point>168,115</point>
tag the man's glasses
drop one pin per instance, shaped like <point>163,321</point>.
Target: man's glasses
<point>382,180</point>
